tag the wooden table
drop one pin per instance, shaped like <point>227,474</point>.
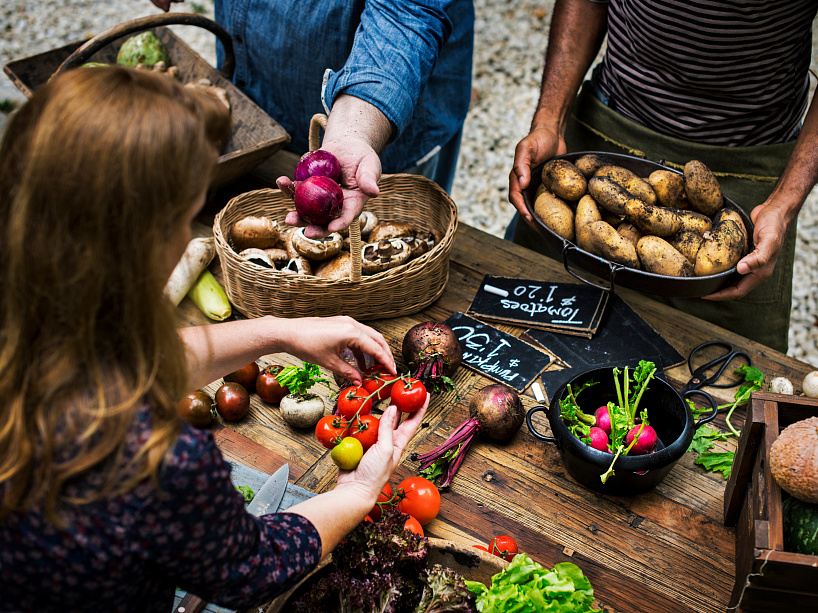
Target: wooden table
<point>668,545</point>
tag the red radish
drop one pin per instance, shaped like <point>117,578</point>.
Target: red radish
<point>318,163</point>
<point>646,439</point>
<point>599,439</point>
<point>318,200</point>
<point>603,419</point>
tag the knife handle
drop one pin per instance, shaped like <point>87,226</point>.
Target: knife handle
<point>190,604</point>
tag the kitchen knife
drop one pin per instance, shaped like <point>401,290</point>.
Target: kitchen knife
<point>269,496</point>
<point>266,500</point>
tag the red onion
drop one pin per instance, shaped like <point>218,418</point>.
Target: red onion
<point>318,163</point>
<point>318,200</point>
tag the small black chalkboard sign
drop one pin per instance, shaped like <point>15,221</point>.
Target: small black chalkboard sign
<point>567,308</point>
<point>496,354</point>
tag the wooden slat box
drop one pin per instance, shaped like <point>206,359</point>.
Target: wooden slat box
<point>768,579</point>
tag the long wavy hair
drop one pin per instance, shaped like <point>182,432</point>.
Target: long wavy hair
<point>98,172</point>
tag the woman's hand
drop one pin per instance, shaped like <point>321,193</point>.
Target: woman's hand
<point>380,460</point>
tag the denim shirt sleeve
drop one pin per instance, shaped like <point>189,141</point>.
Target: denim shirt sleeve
<point>395,49</point>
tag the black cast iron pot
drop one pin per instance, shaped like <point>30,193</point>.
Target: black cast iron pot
<point>668,413</point>
<point>617,274</point>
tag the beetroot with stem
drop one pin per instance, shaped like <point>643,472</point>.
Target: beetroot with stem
<point>495,411</point>
<point>433,353</point>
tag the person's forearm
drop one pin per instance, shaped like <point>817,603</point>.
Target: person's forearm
<point>353,118</point>
<point>577,30</point>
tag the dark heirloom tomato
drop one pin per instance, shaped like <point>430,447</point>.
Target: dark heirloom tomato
<point>246,376</point>
<point>196,408</point>
<point>409,396</point>
<point>267,388</point>
<point>232,401</point>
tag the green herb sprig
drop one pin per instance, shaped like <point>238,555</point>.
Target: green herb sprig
<point>299,380</point>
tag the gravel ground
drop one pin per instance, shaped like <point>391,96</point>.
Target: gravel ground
<point>510,40</point>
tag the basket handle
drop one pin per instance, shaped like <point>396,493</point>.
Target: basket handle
<point>81,55</point>
<point>318,123</point>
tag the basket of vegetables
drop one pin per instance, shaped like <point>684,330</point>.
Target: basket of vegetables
<point>152,46</point>
<point>619,431</point>
<point>394,261</point>
<point>639,224</point>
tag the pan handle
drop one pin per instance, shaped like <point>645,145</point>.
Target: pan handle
<point>542,437</point>
<point>81,55</point>
<point>710,400</point>
<point>567,247</point>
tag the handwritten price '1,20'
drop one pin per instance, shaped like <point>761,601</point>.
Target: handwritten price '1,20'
<point>475,345</point>
<point>565,310</point>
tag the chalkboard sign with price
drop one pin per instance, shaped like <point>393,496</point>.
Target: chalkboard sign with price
<point>496,354</point>
<point>567,308</point>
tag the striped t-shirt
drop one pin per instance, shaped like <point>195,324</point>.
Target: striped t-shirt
<point>721,72</point>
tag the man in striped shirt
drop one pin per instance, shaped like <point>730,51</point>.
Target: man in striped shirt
<point>725,82</point>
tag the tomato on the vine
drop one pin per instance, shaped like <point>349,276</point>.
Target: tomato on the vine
<point>413,525</point>
<point>354,400</point>
<point>377,380</point>
<point>365,429</point>
<point>348,453</point>
<point>330,429</point>
<point>409,396</point>
<point>481,548</point>
<point>421,499</point>
<point>504,547</point>
<point>385,496</point>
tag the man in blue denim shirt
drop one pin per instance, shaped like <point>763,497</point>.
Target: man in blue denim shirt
<point>394,76</point>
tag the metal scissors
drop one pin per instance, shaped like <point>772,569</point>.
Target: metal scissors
<point>705,375</point>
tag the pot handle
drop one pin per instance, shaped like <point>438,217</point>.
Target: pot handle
<point>567,246</point>
<point>710,400</point>
<point>542,437</point>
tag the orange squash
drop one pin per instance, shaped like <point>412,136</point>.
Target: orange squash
<point>794,460</point>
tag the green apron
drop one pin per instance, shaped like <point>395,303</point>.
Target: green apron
<point>747,175</point>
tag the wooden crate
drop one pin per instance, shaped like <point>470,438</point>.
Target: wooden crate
<point>768,578</point>
<point>255,136</point>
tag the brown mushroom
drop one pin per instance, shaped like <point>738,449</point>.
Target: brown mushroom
<point>383,255</point>
<point>298,266</point>
<point>316,248</point>
<point>366,221</point>
<point>391,229</point>
<point>417,246</point>
<point>258,257</point>
<point>277,256</point>
<point>258,232</point>
<point>338,267</point>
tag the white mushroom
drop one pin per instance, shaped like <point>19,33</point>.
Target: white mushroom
<point>781,385</point>
<point>810,384</point>
<point>316,248</point>
<point>383,255</point>
<point>258,232</point>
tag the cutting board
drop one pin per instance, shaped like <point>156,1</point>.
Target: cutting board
<point>244,475</point>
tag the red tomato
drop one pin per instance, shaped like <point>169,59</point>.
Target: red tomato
<point>408,396</point>
<point>421,499</point>
<point>267,388</point>
<point>369,519</point>
<point>413,525</point>
<point>353,401</point>
<point>232,401</point>
<point>365,429</point>
<point>385,496</point>
<point>330,430</point>
<point>377,380</point>
<point>480,547</point>
<point>504,547</point>
<point>246,375</point>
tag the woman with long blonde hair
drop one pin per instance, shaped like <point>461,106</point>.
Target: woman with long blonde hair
<point>108,501</point>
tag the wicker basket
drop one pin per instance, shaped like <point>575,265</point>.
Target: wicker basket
<point>257,291</point>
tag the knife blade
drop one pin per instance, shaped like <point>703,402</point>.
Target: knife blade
<point>269,496</point>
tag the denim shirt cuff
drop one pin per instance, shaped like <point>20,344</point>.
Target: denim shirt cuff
<point>374,86</point>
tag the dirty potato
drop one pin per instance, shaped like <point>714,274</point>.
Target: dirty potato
<point>669,188</point>
<point>589,163</point>
<point>564,180</point>
<point>687,243</point>
<point>606,242</point>
<point>659,256</point>
<point>587,213</point>
<point>695,222</point>
<point>656,220</point>
<point>555,214</point>
<point>702,188</point>
<point>629,231</point>
<point>726,213</point>
<point>630,181</point>
<point>609,194</point>
<point>721,250</point>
